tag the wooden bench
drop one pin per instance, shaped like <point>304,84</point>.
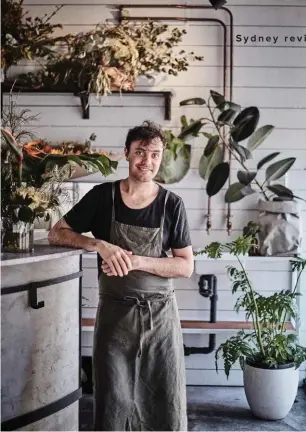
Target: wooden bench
<point>202,326</point>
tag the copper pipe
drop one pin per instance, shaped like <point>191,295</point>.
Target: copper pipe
<point>155,6</point>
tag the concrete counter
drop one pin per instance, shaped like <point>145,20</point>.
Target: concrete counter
<point>40,332</point>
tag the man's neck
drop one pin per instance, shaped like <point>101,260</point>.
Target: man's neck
<point>136,188</point>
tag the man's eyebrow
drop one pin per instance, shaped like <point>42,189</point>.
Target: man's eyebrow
<point>145,149</point>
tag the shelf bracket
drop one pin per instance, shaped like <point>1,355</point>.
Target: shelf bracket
<point>84,97</point>
<point>167,99</point>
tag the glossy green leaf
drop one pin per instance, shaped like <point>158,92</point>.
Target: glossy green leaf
<point>233,106</point>
<point>246,177</point>
<point>243,152</point>
<point>207,164</point>
<point>217,178</point>
<point>266,159</point>
<point>206,134</point>
<point>237,191</point>
<point>281,191</point>
<point>192,129</point>
<point>259,136</point>
<point>193,101</point>
<point>245,124</point>
<point>217,98</point>
<point>278,169</point>
<point>227,116</point>
<point>211,145</point>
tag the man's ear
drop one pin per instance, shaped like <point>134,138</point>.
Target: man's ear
<point>126,153</point>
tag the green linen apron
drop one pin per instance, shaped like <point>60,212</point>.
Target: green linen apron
<point>138,357</point>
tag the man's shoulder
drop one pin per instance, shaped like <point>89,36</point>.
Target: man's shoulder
<point>102,187</point>
<point>174,200</point>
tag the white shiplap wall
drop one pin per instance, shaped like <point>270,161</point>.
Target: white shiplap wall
<point>271,76</point>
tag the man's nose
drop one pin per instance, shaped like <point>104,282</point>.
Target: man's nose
<point>147,158</point>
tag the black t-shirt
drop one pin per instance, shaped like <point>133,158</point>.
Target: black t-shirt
<point>93,213</point>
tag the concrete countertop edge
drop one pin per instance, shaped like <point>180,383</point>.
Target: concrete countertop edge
<point>42,252</point>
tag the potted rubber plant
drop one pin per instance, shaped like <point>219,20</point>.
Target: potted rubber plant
<point>269,355</point>
<point>236,133</point>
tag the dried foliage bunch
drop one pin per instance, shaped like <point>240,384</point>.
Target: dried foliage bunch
<point>269,345</point>
<point>111,57</point>
<point>25,37</point>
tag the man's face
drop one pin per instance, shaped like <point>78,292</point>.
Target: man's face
<point>145,159</point>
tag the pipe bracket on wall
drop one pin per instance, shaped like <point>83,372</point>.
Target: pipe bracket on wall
<point>208,289</point>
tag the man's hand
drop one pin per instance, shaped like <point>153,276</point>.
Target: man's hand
<point>116,259</point>
<point>134,260</point>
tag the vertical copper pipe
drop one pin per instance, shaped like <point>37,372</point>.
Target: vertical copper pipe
<point>229,213</point>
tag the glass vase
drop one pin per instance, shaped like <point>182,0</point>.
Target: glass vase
<point>17,237</point>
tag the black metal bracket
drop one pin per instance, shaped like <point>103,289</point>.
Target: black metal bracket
<point>84,97</point>
<point>32,288</point>
<point>33,298</point>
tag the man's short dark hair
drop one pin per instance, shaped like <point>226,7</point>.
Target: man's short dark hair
<point>145,133</point>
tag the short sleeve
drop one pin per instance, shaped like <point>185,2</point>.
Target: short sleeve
<point>180,233</point>
<point>81,217</point>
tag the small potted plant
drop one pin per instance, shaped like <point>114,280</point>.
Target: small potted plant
<point>279,222</point>
<point>269,356</point>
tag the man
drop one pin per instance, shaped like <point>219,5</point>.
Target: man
<point>138,358</point>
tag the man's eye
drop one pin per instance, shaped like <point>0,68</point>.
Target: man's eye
<point>155,155</point>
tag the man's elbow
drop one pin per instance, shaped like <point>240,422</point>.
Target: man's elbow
<point>53,236</point>
<point>188,270</point>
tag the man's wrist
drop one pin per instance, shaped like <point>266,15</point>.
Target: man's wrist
<point>137,261</point>
<point>98,245</point>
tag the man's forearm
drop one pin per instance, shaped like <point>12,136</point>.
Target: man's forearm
<point>175,267</point>
<point>69,238</point>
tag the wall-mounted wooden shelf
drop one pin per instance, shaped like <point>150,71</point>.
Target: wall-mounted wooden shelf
<point>84,96</point>
<point>198,327</point>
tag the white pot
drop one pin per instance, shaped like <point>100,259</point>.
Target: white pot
<point>270,392</point>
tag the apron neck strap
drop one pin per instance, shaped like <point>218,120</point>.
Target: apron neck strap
<point>164,212</point>
<point>113,201</point>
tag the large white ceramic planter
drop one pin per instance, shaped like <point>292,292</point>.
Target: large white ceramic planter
<point>270,392</point>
